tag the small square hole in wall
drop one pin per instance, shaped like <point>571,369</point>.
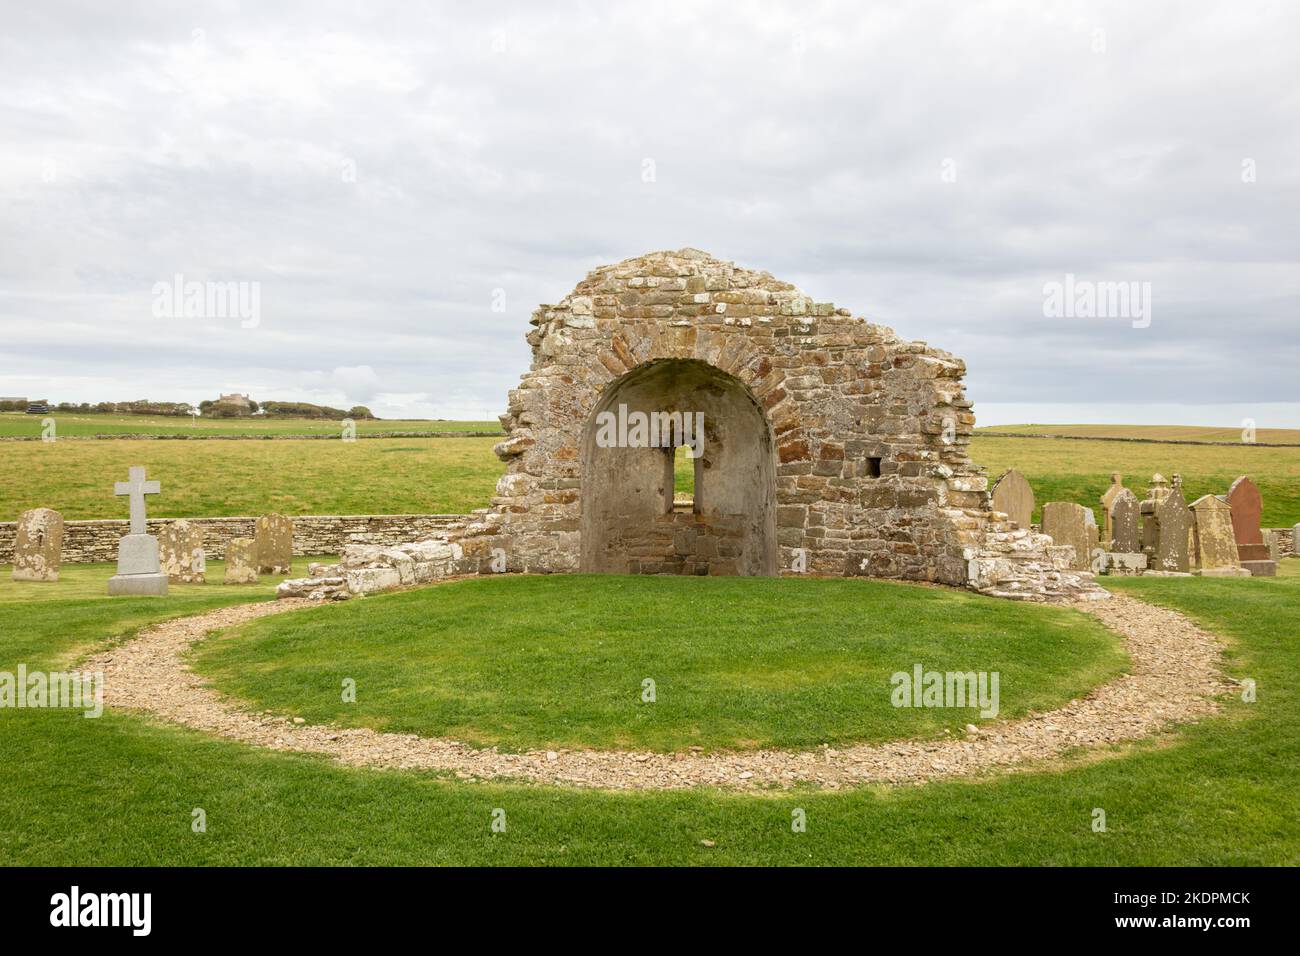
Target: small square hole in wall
<point>873,467</point>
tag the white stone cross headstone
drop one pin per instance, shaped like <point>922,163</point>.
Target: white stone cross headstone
<point>136,487</point>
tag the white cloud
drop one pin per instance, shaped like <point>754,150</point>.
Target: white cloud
<point>381,172</point>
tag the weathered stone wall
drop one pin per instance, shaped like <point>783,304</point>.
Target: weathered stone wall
<point>90,541</point>
<point>870,432</point>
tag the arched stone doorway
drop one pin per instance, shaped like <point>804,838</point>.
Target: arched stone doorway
<point>629,523</point>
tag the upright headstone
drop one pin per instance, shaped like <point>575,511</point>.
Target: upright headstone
<point>1246,503</point>
<point>180,551</point>
<point>1013,496</point>
<point>1107,500</point>
<point>273,535</point>
<point>241,561</point>
<point>1295,541</point>
<point>1124,523</point>
<point>138,569</point>
<point>1156,493</point>
<point>1216,548</point>
<point>38,546</point>
<point>1095,560</point>
<point>1175,523</point>
<point>1066,522</point>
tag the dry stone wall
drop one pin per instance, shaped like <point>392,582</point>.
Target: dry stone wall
<point>94,541</point>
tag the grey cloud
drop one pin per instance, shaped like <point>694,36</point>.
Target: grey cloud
<point>501,148</point>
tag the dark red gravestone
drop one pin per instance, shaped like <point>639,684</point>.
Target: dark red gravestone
<point>1246,503</point>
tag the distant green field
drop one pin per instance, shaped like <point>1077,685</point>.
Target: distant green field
<point>213,478</point>
<point>1275,436</point>
<point>457,475</point>
<point>74,426</point>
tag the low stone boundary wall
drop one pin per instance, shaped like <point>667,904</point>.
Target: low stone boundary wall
<point>85,542</point>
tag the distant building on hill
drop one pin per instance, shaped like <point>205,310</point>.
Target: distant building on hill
<point>234,398</point>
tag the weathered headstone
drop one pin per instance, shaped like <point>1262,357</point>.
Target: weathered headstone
<point>138,569</point>
<point>1175,523</point>
<point>1107,500</point>
<point>1013,496</point>
<point>273,535</point>
<point>180,552</point>
<point>1247,504</point>
<point>1067,523</point>
<point>1295,540</point>
<point>1216,548</point>
<point>1156,492</point>
<point>1124,523</point>
<point>38,547</point>
<point>241,561</point>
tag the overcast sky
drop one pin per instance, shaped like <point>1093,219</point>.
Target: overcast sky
<point>380,170</point>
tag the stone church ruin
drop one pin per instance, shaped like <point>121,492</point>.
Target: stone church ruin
<point>830,447</point>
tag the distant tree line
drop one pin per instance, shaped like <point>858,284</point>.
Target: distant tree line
<point>208,409</point>
<point>307,410</point>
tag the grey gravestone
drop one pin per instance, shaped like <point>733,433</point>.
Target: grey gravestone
<point>180,551</point>
<point>1013,496</point>
<point>1107,500</point>
<point>1067,523</point>
<point>1215,553</point>
<point>241,561</point>
<point>1124,523</point>
<point>38,546</point>
<point>1174,520</point>
<point>273,544</point>
<point>1295,540</point>
<point>138,570</point>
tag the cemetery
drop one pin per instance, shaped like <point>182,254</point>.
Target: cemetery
<point>574,634</point>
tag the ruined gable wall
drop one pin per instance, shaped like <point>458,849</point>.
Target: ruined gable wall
<point>837,391</point>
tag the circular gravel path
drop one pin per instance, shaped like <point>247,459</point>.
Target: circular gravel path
<point>1174,678</point>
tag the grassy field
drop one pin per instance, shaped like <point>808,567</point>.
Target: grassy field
<point>120,789</point>
<point>456,475</point>
<point>1199,433</point>
<point>213,478</point>
<point>71,426</point>
<point>738,663</point>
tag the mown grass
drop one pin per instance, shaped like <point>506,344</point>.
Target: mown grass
<point>18,424</point>
<point>120,789</point>
<point>559,661</point>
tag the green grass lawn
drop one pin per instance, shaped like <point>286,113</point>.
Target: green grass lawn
<point>71,426</point>
<point>558,661</point>
<point>120,789</point>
